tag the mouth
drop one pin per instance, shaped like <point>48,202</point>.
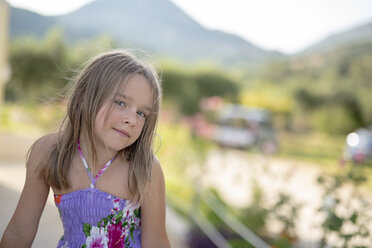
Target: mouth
<point>122,133</point>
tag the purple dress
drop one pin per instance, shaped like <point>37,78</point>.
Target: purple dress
<point>93,218</point>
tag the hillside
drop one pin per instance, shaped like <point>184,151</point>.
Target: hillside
<point>330,83</point>
<point>359,34</point>
<point>24,22</point>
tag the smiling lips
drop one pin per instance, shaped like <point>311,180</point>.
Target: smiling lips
<point>122,132</point>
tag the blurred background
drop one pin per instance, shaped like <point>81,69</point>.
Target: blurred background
<point>265,136</point>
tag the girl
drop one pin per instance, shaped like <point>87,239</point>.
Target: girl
<point>108,186</point>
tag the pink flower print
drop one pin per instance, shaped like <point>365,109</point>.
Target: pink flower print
<point>115,203</point>
<point>97,243</point>
<point>97,238</point>
<point>116,236</point>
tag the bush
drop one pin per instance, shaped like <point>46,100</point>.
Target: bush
<point>184,90</point>
<point>334,120</point>
<point>36,67</point>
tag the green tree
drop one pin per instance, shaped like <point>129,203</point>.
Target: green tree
<point>36,66</point>
<point>184,89</point>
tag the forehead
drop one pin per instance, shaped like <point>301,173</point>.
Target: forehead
<point>137,89</point>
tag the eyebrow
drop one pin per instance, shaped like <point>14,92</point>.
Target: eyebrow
<point>130,98</point>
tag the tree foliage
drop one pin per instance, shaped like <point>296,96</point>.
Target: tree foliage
<point>36,66</point>
<point>186,88</point>
<point>331,89</point>
<point>41,68</point>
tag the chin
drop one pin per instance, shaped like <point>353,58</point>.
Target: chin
<point>116,147</point>
<point>120,147</point>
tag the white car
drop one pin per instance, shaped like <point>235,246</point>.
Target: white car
<point>245,127</point>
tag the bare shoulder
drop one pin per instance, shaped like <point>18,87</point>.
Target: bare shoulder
<point>157,175</point>
<point>45,141</point>
<point>156,185</point>
<point>156,167</point>
<point>153,211</point>
<point>41,149</point>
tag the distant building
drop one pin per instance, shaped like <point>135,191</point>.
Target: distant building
<point>4,66</point>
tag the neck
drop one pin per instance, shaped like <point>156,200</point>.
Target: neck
<point>104,154</point>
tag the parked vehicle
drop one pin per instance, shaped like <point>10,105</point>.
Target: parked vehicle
<point>358,147</point>
<point>246,127</point>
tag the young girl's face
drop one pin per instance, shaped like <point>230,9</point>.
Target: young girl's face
<point>120,126</point>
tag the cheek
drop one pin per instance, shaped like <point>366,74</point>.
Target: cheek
<point>100,119</point>
<point>98,124</point>
<point>140,127</point>
<point>98,127</point>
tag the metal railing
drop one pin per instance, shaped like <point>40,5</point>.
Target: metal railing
<point>223,213</point>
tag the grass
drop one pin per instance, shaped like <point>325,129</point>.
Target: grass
<point>321,150</point>
<point>315,148</point>
<point>30,118</point>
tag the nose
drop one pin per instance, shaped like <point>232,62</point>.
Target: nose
<point>129,117</point>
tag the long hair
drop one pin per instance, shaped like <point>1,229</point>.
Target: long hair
<point>101,76</point>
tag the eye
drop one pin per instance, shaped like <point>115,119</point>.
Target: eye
<point>142,114</point>
<point>121,103</point>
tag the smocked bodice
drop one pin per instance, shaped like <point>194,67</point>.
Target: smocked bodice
<point>93,218</point>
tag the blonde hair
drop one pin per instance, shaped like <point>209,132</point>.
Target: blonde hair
<point>103,75</point>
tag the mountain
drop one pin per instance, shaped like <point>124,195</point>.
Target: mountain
<point>24,22</point>
<point>157,26</point>
<point>358,35</point>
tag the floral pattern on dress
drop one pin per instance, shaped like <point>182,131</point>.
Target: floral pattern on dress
<point>115,230</point>
<point>57,199</point>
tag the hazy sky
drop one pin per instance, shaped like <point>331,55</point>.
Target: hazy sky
<point>285,25</point>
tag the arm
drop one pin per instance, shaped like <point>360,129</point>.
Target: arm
<point>22,227</point>
<point>153,211</point>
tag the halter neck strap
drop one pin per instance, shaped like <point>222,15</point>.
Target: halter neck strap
<point>104,168</point>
